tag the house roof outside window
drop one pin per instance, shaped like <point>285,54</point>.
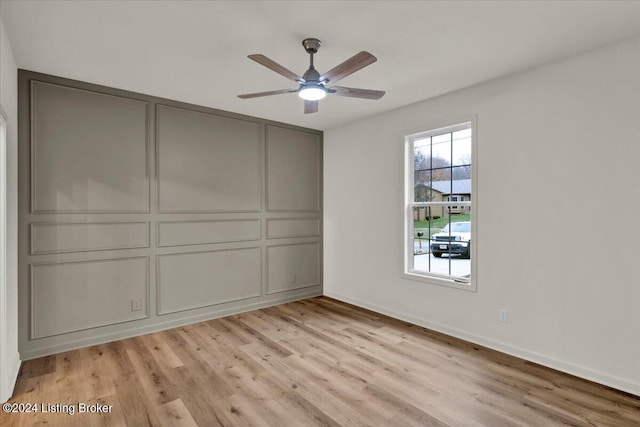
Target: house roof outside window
<point>460,186</point>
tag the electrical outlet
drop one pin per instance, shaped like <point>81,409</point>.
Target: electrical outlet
<point>294,279</point>
<point>136,305</point>
<point>502,315</point>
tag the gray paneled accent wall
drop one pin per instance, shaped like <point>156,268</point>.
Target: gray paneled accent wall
<point>139,213</point>
<point>89,151</point>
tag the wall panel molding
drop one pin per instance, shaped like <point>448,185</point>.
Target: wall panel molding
<point>200,232</point>
<point>278,228</point>
<point>63,237</point>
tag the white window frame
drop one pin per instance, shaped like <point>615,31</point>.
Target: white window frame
<point>408,271</point>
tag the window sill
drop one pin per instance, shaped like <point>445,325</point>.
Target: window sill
<point>450,283</point>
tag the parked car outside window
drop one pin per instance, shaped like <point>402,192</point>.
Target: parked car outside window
<point>453,239</point>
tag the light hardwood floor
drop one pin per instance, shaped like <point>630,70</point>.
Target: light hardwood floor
<point>311,362</point>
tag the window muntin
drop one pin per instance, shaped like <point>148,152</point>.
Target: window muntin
<point>439,224</point>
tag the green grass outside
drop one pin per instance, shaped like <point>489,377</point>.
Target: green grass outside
<point>438,224</point>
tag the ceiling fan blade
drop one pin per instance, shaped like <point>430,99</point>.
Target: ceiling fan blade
<point>356,93</point>
<point>274,66</point>
<point>348,67</point>
<point>268,93</point>
<point>310,107</point>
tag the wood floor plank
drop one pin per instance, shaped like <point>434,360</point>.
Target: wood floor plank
<point>293,409</point>
<point>41,366</point>
<point>197,368</point>
<point>315,362</point>
<point>161,351</point>
<point>241,328</point>
<point>175,414</point>
<point>155,383</point>
<point>136,407</point>
<point>349,388</point>
<point>308,384</point>
<point>98,382</point>
<point>199,403</point>
<point>408,411</point>
<point>228,354</point>
<point>240,411</point>
<point>267,326</point>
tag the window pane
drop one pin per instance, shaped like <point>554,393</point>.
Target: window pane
<point>422,153</point>
<point>461,148</point>
<point>423,191</point>
<point>441,150</point>
<point>423,174</point>
<point>448,251</point>
<point>461,172</point>
<point>422,219</point>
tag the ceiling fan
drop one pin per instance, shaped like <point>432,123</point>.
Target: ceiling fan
<point>313,85</point>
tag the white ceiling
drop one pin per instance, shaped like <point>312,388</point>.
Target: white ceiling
<point>196,51</point>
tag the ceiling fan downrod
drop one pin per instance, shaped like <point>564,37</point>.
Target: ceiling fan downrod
<point>311,45</point>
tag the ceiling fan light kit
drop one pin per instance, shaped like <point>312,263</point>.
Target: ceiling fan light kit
<point>311,93</point>
<point>313,85</point>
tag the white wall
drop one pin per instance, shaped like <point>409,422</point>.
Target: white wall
<point>9,104</point>
<point>555,144</point>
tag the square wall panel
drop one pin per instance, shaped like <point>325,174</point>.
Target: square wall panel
<point>293,170</point>
<point>200,279</point>
<point>72,296</point>
<point>88,151</point>
<point>206,162</point>
<point>292,267</point>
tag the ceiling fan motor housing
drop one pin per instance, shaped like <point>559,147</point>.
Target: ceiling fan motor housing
<point>311,45</point>
<point>311,76</point>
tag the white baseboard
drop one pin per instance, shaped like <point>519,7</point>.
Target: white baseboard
<point>11,380</point>
<point>161,326</point>
<point>550,362</point>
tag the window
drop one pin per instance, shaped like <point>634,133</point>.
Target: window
<point>454,199</point>
<point>439,227</point>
